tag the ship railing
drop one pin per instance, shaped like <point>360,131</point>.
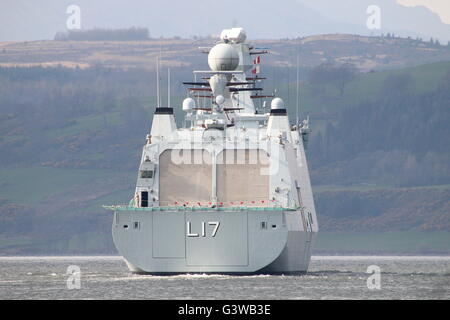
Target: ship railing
<point>195,205</point>
<point>213,204</point>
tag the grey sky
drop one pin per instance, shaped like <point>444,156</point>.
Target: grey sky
<point>37,20</point>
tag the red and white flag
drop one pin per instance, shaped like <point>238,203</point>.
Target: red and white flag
<point>256,62</point>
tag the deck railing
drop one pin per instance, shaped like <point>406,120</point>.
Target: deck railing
<point>251,205</point>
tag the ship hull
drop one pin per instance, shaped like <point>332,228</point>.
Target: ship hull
<point>211,241</point>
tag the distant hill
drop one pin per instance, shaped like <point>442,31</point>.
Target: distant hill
<point>130,34</point>
<point>70,138</point>
<point>395,18</point>
<point>366,53</point>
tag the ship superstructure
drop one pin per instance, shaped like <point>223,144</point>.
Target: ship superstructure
<point>229,192</point>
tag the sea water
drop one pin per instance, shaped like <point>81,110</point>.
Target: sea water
<point>329,277</point>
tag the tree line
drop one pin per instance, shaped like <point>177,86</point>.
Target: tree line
<point>398,137</point>
<point>74,117</point>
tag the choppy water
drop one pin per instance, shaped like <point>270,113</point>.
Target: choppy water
<point>329,277</point>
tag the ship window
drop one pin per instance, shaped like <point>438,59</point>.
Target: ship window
<point>136,225</point>
<point>144,199</point>
<point>146,174</point>
<point>125,226</point>
<point>274,226</point>
<point>263,225</point>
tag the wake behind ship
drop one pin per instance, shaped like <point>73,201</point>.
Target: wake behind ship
<point>229,192</point>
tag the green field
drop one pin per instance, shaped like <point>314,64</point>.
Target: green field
<point>85,243</point>
<point>407,242</point>
<point>327,243</point>
<point>35,184</point>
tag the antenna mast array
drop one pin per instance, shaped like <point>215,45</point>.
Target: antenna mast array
<point>298,91</point>
<point>168,87</point>
<point>158,103</point>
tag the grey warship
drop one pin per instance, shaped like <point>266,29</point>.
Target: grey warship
<point>229,191</point>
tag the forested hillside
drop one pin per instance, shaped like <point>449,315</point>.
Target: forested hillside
<point>70,141</point>
<point>398,137</point>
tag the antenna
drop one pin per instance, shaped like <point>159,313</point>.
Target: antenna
<point>288,87</point>
<point>158,103</point>
<point>298,89</point>
<point>168,87</point>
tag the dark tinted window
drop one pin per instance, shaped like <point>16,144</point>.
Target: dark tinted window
<point>144,199</point>
<point>146,174</point>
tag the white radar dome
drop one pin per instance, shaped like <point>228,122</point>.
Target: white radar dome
<point>223,57</point>
<point>236,35</point>
<point>220,100</point>
<point>188,104</point>
<point>277,103</point>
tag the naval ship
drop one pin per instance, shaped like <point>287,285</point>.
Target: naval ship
<point>229,191</point>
